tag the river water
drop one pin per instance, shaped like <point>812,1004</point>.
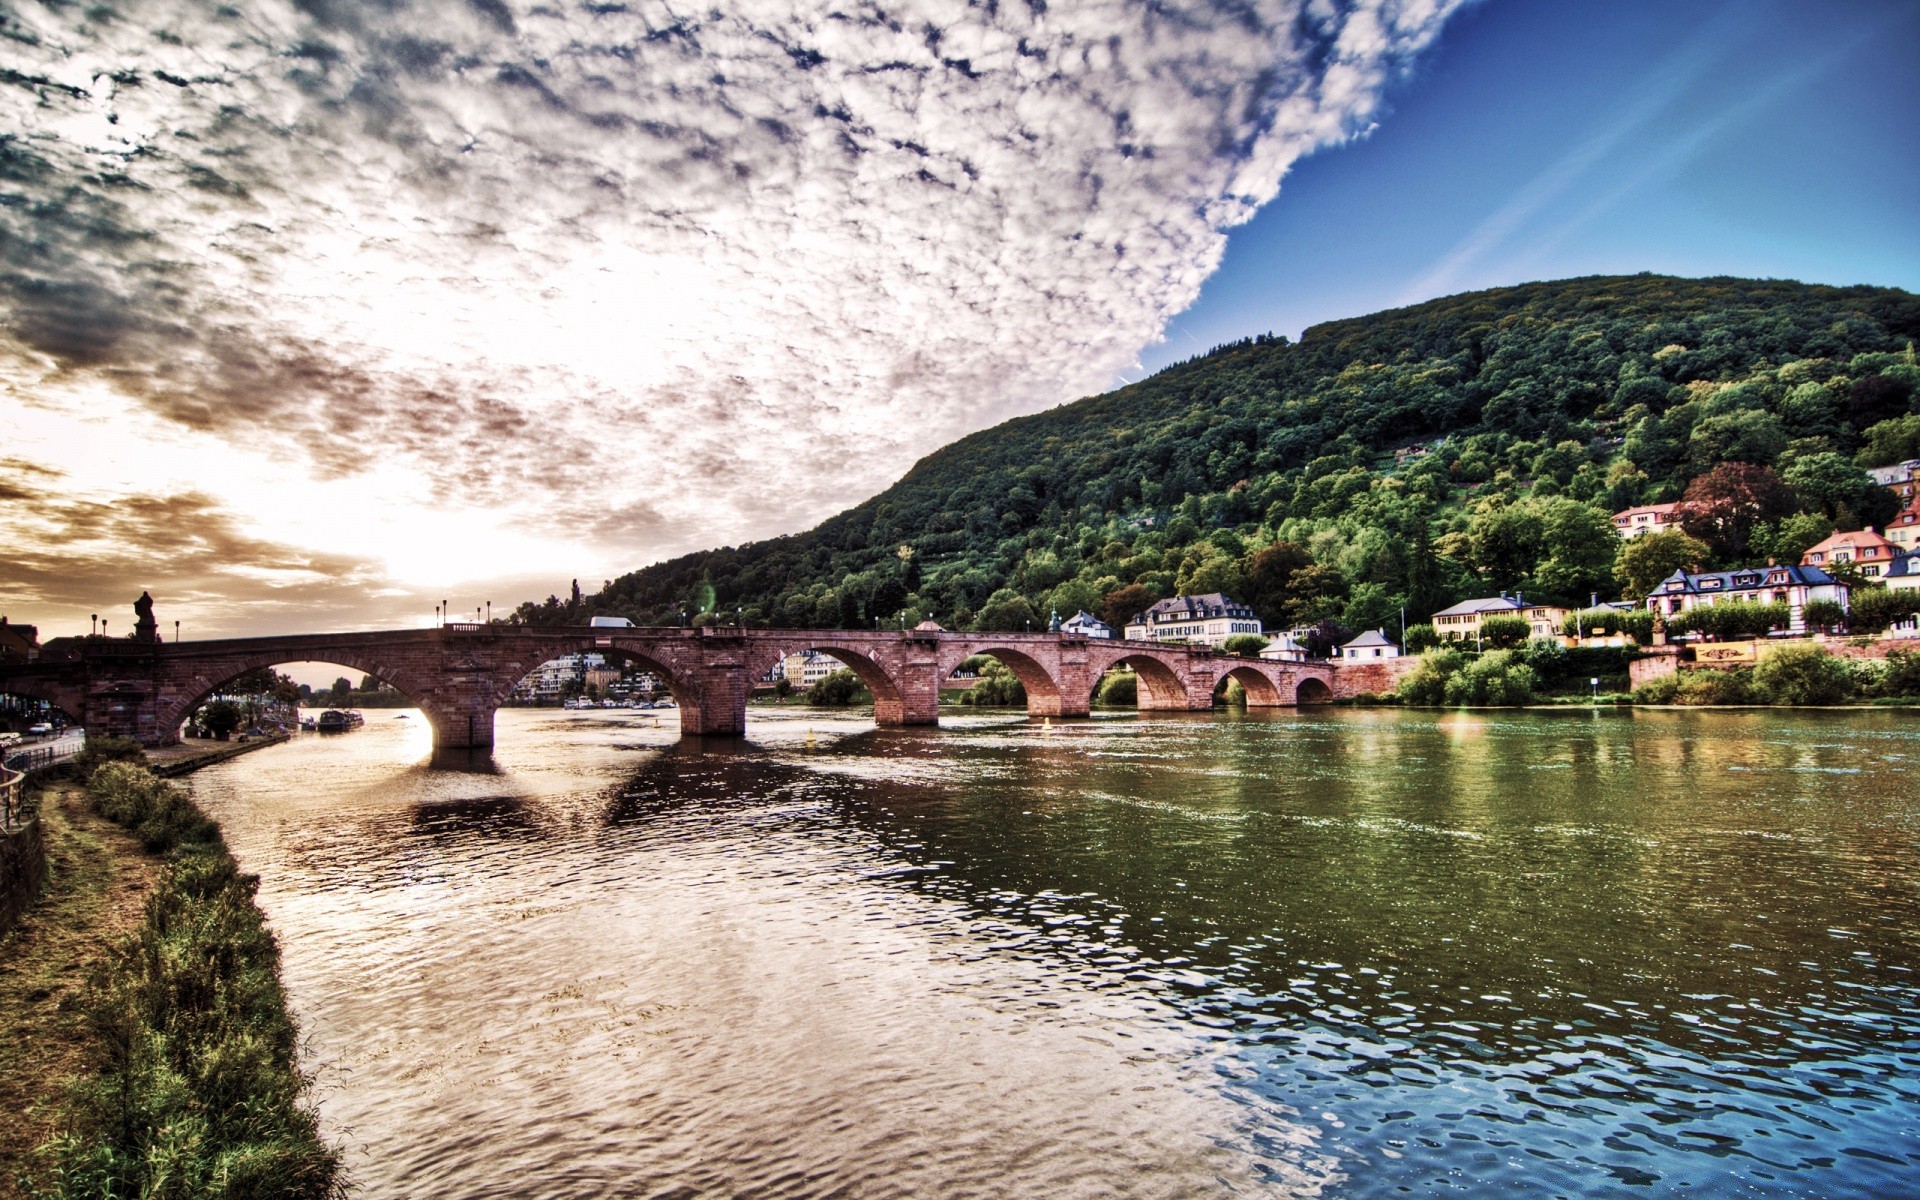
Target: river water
<point>1341,953</point>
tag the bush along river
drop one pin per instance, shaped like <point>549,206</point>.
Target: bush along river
<point>1350,953</point>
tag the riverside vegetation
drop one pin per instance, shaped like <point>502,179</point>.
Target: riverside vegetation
<point>1411,458</point>
<point>196,1091</point>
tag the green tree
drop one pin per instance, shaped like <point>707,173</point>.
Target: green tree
<point>1580,545</point>
<point>1644,561</point>
<point>1269,575</point>
<point>221,718</point>
<point>1505,542</point>
<point>1829,482</point>
<point>840,689</point>
<point>1006,611</point>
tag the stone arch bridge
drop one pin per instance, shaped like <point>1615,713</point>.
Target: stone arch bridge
<point>460,675</point>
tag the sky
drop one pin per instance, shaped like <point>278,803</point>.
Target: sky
<point>313,314</point>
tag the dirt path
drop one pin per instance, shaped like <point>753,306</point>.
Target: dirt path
<point>98,878</point>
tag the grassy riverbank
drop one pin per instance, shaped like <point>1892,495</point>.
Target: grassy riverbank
<point>180,1077</point>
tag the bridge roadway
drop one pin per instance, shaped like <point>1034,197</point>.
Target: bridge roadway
<point>460,675</point>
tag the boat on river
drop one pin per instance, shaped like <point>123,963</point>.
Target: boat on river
<point>335,721</point>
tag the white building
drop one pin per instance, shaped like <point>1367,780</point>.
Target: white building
<point>1794,587</point>
<point>1902,477</point>
<point>1284,648</point>
<point>1904,573</point>
<point>1372,644</point>
<point>1208,620</point>
<point>1085,624</point>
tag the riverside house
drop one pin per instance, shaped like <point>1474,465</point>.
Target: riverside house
<point>1866,550</point>
<point>1648,518</point>
<point>1794,587</point>
<point>1461,623</point>
<point>1210,619</point>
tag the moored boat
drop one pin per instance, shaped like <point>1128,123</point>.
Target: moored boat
<point>335,721</point>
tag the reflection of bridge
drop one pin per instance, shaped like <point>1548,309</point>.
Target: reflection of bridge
<point>459,675</point>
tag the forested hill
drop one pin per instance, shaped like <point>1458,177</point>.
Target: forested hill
<point>1460,447</point>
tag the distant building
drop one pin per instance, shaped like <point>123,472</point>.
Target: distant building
<point>1794,587</point>
<point>1085,624</point>
<point>1372,644</point>
<point>19,641</point>
<point>1902,477</point>
<point>1461,623</point>
<point>1648,518</point>
<point>1864,548</point>
<point>809,667</point>
<point>1210,620</point>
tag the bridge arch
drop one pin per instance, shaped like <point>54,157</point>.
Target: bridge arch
<point>1312,690</point>
<point>175,709</point>
<point>1044,696</point>
<point>888,701</point>
<point>1262,691</point>
<point>1158,687</point>
<point>517,670</point>
<point>70,702</point>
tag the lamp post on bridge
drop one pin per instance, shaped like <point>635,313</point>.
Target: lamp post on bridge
<point>176,633</point>
<point>94,628</point>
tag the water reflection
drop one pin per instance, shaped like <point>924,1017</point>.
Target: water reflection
<point>1371,953</point>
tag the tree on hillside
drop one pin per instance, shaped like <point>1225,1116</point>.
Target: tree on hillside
<point>1269,574</point>
<point>1644,561</point>
<point>1124,603</point>
<point>1831,483</point>
<point>1722,507</point>
<point>1580,543</point>
<point>1006,611</point>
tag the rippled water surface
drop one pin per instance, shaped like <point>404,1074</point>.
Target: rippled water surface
<point>1338,953</point>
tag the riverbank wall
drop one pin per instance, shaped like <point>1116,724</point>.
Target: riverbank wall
<point>171,762</point>
<point>23,869</point>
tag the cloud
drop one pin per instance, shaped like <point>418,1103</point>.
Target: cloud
<point>724,270</point>
<point>62,555</point>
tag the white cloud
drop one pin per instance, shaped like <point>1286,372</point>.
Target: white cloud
<point>727,271</point>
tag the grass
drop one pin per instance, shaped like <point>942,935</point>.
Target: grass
<point>97,883</point>
<point>194,1089</point>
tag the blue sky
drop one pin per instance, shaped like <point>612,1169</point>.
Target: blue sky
<point>1542,139</point>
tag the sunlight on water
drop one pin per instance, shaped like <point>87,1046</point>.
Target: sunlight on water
<point>1358,953</point>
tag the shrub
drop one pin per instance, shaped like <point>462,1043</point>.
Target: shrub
<point>1421,637</point>
<point>1902,677</point>
<point>1244,645</point>
<point>1427,682</point>
<point>1802,675</point>
<point>1822,614</point>
<point>838,690</point>
<point>1496,678</point>
<point>1120,689</point>
<point>1657,691</point>
<point>157,812</point>
<point>1548,658</point>
<point>1714,687</point>
<point>1504,633</point>
<point>99,751</point>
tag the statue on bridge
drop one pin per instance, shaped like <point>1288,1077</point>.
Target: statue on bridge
<point>145,628</point>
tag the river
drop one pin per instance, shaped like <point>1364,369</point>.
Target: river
<point>1346,953</point>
